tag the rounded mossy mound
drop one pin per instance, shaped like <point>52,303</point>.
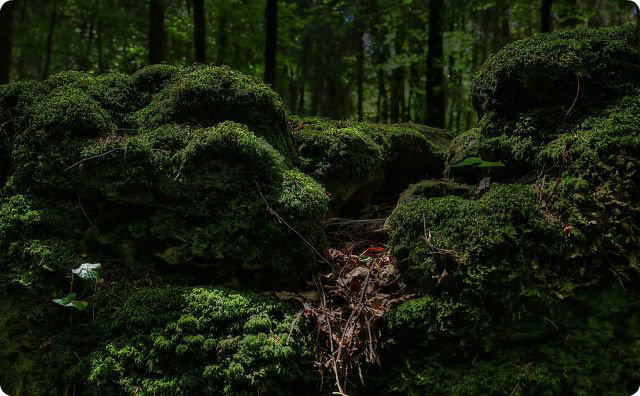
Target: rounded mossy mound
<point>537,90</point>
<point>361,163</point>
<point>219,203</point>
<point>157,340</point>
<point>508,290</point>
<point>552,69</point>
<point>203,96</point>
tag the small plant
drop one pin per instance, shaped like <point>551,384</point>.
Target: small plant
<point>85,271</point>
<point>70,301</point>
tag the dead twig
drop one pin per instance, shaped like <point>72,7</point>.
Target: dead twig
<point>283,221</point>
<point>92,158</point>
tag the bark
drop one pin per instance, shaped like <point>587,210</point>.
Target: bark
<point>360,74</point>
<point>545,16</point>
<point>6,46</point>
<point>222,42</point>
<point>270,53</point>
<point>571,14</point>
<point>52,27</point>
<point>199,31</point>
<point>435,106</point>
<point>156,32</point>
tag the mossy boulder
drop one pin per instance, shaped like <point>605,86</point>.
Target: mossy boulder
<point>204,96</point>
<point>507,291</point>
<point>362,164</point>
<point>220,199</point>
<point>536,90</point>
<point>530,286</point>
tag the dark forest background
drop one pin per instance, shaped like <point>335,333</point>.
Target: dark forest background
<point>377,60</point>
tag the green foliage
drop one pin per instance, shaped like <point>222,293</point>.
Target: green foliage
<point>28,248</point>
<point>174,341</point>
<point>70,301</point>
<point>530,289</point>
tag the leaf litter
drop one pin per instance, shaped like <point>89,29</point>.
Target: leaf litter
<point>347,308</point>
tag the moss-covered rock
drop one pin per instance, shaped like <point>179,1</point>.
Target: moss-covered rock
<point>531,288</point>
<point>536,90</point>
<point>361,163</point>
<point>219,200</point>
<point>204,96</point>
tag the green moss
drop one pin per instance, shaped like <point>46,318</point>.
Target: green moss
<point>357,160</point>
<point>151,80</point>
<point>434,189</point>
<point>63,79</point>
<point>583,345</point>
<point>30,245</point>
<point>200,341</point>
<point>537,90</point>
<point>204,96</point>
<point>544,70</point>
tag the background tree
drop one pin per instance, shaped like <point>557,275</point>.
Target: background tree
<point>435,111</point>
<point>156,32</point>
<point>199,31</point>
<point>271,46</point>
<point>6,46</point>
<point>375,60</point>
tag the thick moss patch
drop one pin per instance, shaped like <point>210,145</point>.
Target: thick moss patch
<point>204,96</point>
<point>360,164</point>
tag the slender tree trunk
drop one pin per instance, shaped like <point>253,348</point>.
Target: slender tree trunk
<point>435,106</point>
<point>222,41</point>
<point>199,31</point>
<point>545,16</point>
<point>304,75</point>
<point>52,27</point>
<point>360,74</point>
<point>638,29</point>
<point>571,14</point>
<point>156,32</point>
<point>270,52</point>
<point>100,46</point>
<point>383,102</point>
<point>6,45</point>
<point>505,27</point>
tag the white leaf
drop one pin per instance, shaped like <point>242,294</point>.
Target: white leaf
<point>87,271</point>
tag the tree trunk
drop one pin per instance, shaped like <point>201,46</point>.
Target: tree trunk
<point>52,27</point>
<point>360,74</point>
<point>435,106</point>
<point>270,52</point>
<point>397,81</point>
<point>222,42</point>
<point>199,31</point>
<point>6,45</point>
<point>570,17</point>
<point>156,32</point>
<point>100,46</point>
<point>638,28</point>
<point>545,16</point>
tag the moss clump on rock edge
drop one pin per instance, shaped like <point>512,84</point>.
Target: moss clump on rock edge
<point>361,163</point>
